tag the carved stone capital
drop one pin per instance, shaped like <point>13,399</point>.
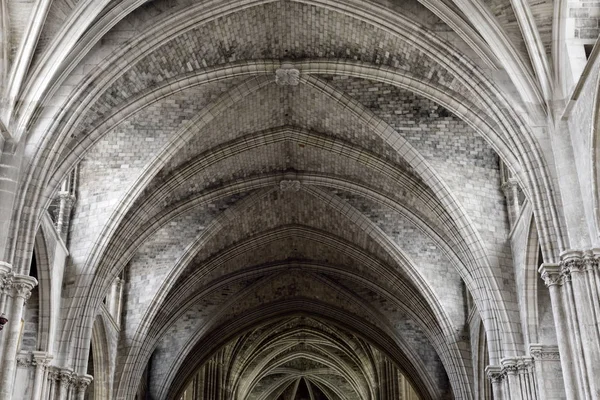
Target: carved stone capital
<point>53,373</point>
<point>551,274</point>
<point>287,75</point>
<point>41,358</point>
<point>495,373</point>
<point>590,262</point>
<point>5,269</point>
<point>541,352</point>
<point>6,284</point>
<point>509,366</point>
<point>572,266</point>
<point>509,186</point>
<point>289,185</point>
<point>24,360</point>
<point>525,365</point>
<point>571,262</point>
<point>22,286</point>
<point>66,377</point>
<point>68,198</point>
<point>82,382</point>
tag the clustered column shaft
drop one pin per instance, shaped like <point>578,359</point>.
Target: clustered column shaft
<point>515,379</point>
<point>389,381</point>
<point>511,192</point>
<point>15,289</point>
<point>64,384</point>
<point>574,286</point>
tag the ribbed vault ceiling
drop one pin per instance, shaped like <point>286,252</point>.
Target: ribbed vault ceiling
<point>300,358</point>
<point>309,190</point>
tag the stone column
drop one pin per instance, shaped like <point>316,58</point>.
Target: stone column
<point>24,374</point>
<point>6,277</point>
<point>45,392</point>
<point>389,381</point>
<point>53,379</point>
<point>527,378</point>
<point>6,281</point>
<point>514,380</point>
<point>497,376</point>
<point>81,385</point>
<point>40,360</point>
<point>114,300</point>
<point>21,290</point>
<point>511,193</point>
<point>574,292</point>
<point>585,292</point>
<point>66,379</point>
<point>548,371</point>
<point>67,200</point>
<point>509,367</point>
<point>554,279</point>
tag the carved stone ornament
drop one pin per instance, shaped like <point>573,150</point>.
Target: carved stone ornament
<point>510,369</point>
<point>525,365</point>
<point>22,290</point>
<point>508,187</point>
<point>22,286</point>
<point>287,75</point>
<point>495,373</point>
<point>289,185</point>
<point>551,279</point>
<point>66,377</point>
<point>7,282</point>
<point>24,361</point>
<point>572,265</point>
<point>590,262</point>
<point>41,358</point>
<point>544,352</point>
<point>550,355</point>
<point>83,382</point>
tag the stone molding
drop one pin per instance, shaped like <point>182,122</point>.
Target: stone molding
<point>542,352</point>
